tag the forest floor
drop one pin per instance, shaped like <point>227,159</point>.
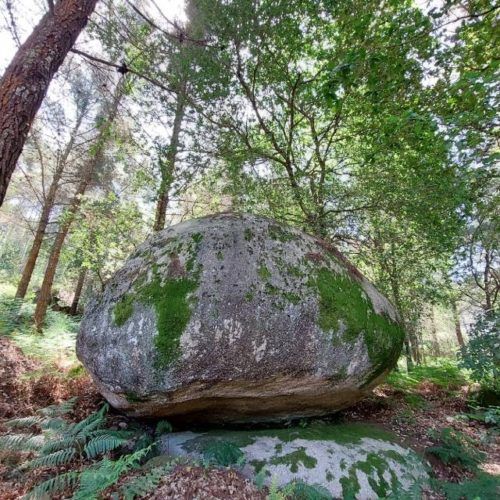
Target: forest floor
<point>416,408</point>
<point>430,409</point>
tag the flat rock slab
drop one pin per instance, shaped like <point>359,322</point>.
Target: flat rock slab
<point>350,461</point>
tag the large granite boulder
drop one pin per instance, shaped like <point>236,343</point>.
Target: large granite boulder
<point>237,318</point>
<point>353,461</point>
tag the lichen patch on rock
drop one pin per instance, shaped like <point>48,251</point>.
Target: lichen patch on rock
<point>350,461</point>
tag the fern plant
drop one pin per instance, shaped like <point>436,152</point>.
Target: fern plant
<point>61,442</point>
<point>298,490</point>
<point>139,486</point>
<point>223,453</point>
<point>454,447</point>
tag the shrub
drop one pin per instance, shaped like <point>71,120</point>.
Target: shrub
<point>482,353</point>
<point>445,374</point>
<point>483,487</point>
<point>453,447</point>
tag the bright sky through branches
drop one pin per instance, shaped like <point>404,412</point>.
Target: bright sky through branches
<point>26,14</point>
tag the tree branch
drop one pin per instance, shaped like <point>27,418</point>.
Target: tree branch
<point>123,69</point>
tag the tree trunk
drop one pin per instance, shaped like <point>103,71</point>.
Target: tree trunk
<point>26,80</point>
<point>397,303</point>
<point>78,291</point>
<point>45,215</point>
<point>436,351</point>
<point>95,160</point>
<point>458,328</point>
<point>415,347</point>
<point>168,167</point>
<point>409,359</point>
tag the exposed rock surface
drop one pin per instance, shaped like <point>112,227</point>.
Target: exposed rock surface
<point>350,461</point>
<point>236,317</point>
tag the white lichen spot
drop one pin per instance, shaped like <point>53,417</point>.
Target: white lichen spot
<point>189,338</point>
<point>358,358</point>
<point>259,350</point>
<point>233,328</point>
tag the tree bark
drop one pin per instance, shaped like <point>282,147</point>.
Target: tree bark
<point>409,360</point>
<point>458,328</point>
<point>74,205</point>
<point>78,291</point>
<point>435,343</point>
<point>45,215</point>
<point>26,80</point>
<point>168,167</point>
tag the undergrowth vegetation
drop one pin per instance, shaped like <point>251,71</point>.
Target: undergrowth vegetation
<point>455,447</point>
<point>99,455</point>
<point>444,373</point>
<point>55,348</point>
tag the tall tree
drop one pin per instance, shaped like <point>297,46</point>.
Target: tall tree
<point>49,198</point>
<point>97,156</point>
<point>167,161</point>
<point>26,80</point>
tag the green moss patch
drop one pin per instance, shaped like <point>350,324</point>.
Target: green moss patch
<point>338,433</point>
<point>197,237</point>
<point>295,458</point>
<point>292,297</point>
<point>171,303</point>
<point>280,234</point>
<point>133,398</point>
<point>123,310</point>
<point>374,466</point>
<point>264,272</point>
<point>342,301</point>
<point>248,234</point>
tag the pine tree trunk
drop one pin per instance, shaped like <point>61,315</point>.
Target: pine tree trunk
<point>458,328</point>
<point>168,168</point>
<point>409,360</point>
<point>397,302</point>
<point>415,348</point>
<point>48,205</point>
<point>78,291</point>
<point>26,80</point>
<point>69,216</point>
<point>436,351</point>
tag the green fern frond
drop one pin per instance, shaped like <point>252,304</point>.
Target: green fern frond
<point>106,473</point>
<point>304,491</point>
<point>62,443</point>
<point>102,444</point>
<point>54,424</point>
<point>117,434</point>
<point>163,427</point>
<point>141,485</point>
<point>89,424</point>
<point>53,459</point>
<point>21,442</point>
<point>24,422</point>
<point>223,453</point>
<point>60,409</point>
<point>53,485</point>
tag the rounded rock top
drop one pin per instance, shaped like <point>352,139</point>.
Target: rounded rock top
<point>237,318</point>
